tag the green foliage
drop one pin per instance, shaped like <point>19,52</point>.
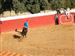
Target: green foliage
<point>19,6</point>
<point>0,4</point>
<point>6,5</point>
<point>34,6</point>
<point>72,3</point>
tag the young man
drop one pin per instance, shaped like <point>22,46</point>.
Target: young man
<point>56,19</point>
<point>24,30</point>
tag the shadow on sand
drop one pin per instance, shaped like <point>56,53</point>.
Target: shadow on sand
<point>16,36</point>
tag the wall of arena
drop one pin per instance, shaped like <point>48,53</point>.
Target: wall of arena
<point>34,20</point>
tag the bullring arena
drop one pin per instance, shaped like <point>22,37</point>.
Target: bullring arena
<point>44,38</point>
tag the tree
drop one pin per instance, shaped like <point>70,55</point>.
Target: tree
<point>72,3</point>
<point>68,3</point>
<point>19,6</point>
<point>0,4</point>
<point>1,10</point>
<point>7,5</point>
<point>35,8</point>
<point>44,5</point>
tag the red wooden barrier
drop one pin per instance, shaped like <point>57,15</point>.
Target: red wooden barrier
<point>74,16</point>
<point>11,25</point>
<point>66,19</point>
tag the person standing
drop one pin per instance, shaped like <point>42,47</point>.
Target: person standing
<point>25,29</point>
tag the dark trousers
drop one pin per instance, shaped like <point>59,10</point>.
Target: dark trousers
<point>24,31</point>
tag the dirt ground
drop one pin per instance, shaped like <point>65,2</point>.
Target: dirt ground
<point>42,41</point>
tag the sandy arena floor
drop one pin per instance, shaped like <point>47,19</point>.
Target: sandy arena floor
<point>42,41</point>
